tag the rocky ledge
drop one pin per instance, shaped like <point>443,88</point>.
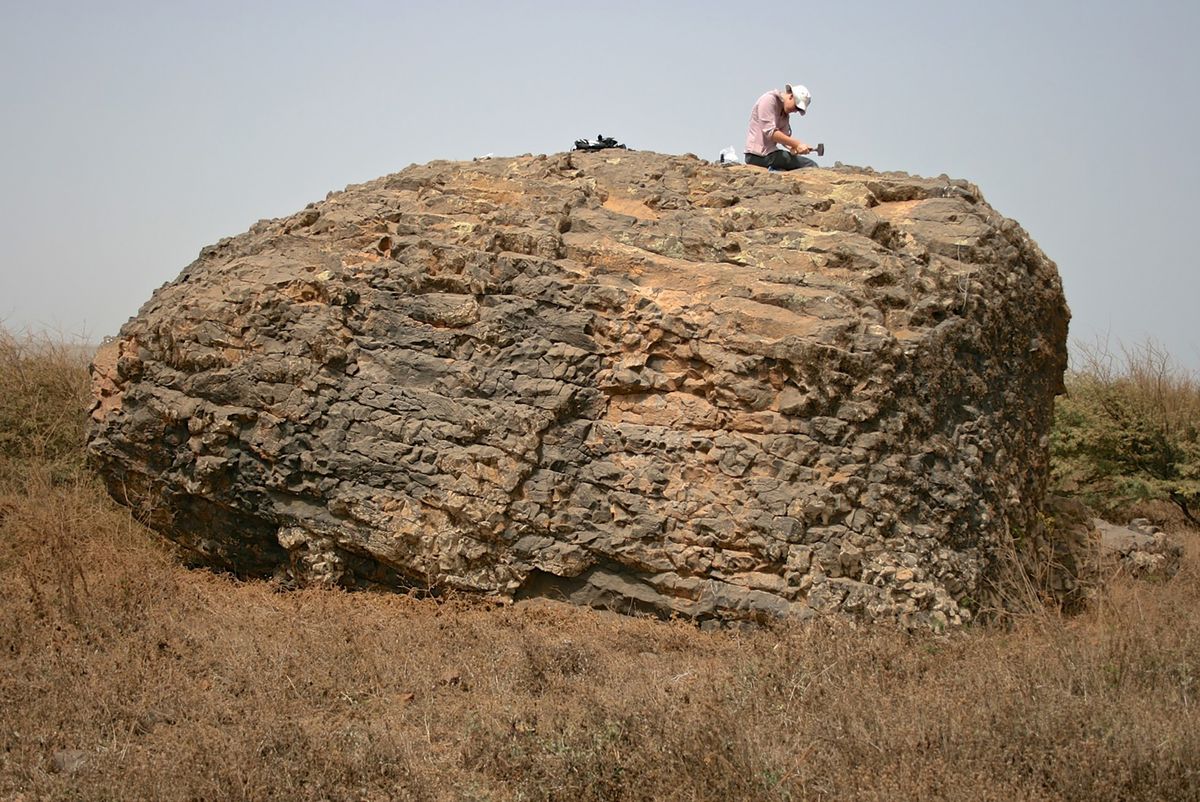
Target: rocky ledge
<point>618,378</point>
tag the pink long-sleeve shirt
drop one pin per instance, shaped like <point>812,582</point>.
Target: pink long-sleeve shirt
<point>766,117</point>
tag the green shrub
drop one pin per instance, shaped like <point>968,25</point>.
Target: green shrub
<point>1128,430</point>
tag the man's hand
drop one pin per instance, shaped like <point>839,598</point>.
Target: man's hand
<point>800,148</point>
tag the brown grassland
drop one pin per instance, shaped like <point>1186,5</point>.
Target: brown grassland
<point>178,684</point>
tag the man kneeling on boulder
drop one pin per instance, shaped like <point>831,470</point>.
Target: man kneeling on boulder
<point>770,130</point>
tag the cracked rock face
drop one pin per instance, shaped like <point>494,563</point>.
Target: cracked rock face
<point>617,378</point>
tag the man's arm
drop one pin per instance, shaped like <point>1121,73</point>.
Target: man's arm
<point>794,145</point>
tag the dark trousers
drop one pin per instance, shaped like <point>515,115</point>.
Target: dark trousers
<point>779,160</point>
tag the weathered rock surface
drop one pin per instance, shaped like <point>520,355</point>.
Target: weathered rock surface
<point>68,761</point>
<point>617,378</point>
<point>1141,549</point>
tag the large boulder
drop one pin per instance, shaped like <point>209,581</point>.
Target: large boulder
<point>619,378</point>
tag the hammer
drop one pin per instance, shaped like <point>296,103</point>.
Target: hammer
<point>819,149</point>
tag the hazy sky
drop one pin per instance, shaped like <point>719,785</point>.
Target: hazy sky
<point>135,133</point>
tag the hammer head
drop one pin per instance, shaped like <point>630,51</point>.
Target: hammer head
<point>820,149</point>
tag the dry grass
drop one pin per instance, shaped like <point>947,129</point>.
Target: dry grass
<point>43,385</point>
<point>185,685</point>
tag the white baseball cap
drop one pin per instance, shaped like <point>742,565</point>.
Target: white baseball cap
<point>802,95</point>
